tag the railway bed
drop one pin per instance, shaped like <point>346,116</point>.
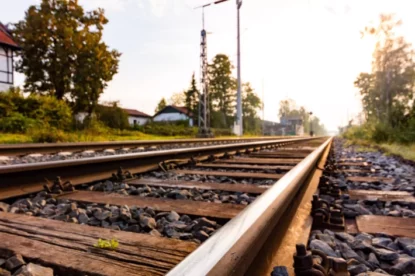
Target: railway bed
<point>363,219</point>
<point>192,211</point>
<point>162,207</point>
<point>241,208</point>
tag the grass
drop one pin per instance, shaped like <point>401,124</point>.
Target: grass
<point>13,138</point>
<point>88,136</point>
<point>405,151</point>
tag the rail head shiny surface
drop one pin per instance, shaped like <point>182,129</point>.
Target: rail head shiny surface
<point>207,258</point>
<point>142,155</point>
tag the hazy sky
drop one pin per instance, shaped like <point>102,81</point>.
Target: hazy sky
<point>307,50</point>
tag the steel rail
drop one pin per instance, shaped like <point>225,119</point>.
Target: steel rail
<point>22,149</point>
<point>22,179</point>
<point>233,247</point>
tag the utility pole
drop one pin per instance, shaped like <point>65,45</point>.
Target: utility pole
<point>263,108</point>
<point>204,111</point>
<point>239,119</point>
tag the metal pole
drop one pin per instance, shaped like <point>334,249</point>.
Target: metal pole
<point>263,108</point>
<point>239,119</point>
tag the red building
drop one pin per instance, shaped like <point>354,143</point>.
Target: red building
<point>7,48</point>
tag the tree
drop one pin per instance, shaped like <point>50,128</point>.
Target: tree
<point>177,99</point>
<point>387,92</point>
<point>286,107</point>
<point>162,104</point>
<point>63,53</point>
<point>250,105</point>
<point>192,99</point>
<point>222,89</point>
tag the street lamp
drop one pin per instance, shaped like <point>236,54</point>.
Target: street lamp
<point>239,119</point>
<point>310,124</point>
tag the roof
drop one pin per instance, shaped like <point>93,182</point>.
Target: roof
<point>183,110</point>
<point>134,112</point>
<point>180,109</point>
<point>6,38</point>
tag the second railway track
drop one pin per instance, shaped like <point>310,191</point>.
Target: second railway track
<point>160,207</point>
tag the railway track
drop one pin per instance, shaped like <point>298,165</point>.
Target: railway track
<point>247,208</point>
<point>160,206</point>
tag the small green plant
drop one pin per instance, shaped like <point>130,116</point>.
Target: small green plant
<point>107,244</point>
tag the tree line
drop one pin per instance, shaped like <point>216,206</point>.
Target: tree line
<point>387,92</point>
<point>222,96</point>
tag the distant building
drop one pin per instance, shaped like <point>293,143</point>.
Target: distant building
<point>272,128</point>
<point>7,48</point>
<point>172,113</point>
<point>293,124</point>
<point>136,117</point>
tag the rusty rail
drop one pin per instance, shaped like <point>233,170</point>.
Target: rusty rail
<point>16,180</point>
<point>22,149</point>
<point>233,247</point>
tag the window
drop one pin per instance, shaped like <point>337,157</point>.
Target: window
<point>6,65</point>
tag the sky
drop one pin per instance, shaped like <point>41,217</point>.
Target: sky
<point>310,51</point>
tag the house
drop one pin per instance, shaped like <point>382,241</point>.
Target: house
<point>172,113</point>
<point>293,124</point>
<point>136,117</point>
<point>271,128</point>
<point>7,48</point>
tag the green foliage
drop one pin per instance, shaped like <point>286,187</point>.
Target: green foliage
<point>222,132</point>
<point>63,54</point>
<point>178,128</point>
<point>383,133</point>
<point>358,132</point>
<point>388,91</point>
<point>107,244</point>
<point>112,116</point>
<point>47,135</point>
<point>16,122</point>
<point>18,113</point>
<point>250,105</point>
<point>222,89</point>
<point>192,99</point>
<point>162,104</point>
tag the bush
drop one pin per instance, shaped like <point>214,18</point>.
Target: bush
<point>382,133</point>
<point>19,113</point>
<point>222,132</point>
<point>16,123</point>
<point>47,135</point>
<point>358,132</point>
<point>167,129</point>
<point>112,116</point>
<point>93,126</point>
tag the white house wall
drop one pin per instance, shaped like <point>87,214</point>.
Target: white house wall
<point>170,117</point>
<point>139,120</point>
<point>4,86</point>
